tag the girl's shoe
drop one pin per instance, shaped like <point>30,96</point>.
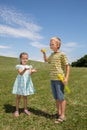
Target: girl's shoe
<point>16,113</point>
<point>27,112</point>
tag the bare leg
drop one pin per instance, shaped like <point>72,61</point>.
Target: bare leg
<point>16,114</point>
<point>17,102</point>
<point>25,105</point>
<point>25,102</point>
<point>63,107</point>
<point>58,106</point>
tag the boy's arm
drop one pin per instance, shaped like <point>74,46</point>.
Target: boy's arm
<point>67,74</point>
<point>45,57</point>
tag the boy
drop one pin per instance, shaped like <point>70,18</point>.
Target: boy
<point>58,65</point>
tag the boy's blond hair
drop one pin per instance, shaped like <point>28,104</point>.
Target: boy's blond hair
<point>57,40</point>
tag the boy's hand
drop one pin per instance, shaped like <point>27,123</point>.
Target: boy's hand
<point>65,81</point>
<point>43,50</point>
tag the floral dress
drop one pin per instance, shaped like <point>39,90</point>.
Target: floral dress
<point>23,84</point>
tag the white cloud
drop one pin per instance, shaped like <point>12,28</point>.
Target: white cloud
<point>16,24</point>
<point>69,47</point>
<point>8,53</point>
<point>4,47</point>
<point>39,45</point>
<point>71,44</point>
<point>11,17</point>
<point>24,33</point>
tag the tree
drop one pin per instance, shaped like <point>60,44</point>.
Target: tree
<point>82,62</point>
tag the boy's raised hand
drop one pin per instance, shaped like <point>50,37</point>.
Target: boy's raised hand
<point>43,50</point>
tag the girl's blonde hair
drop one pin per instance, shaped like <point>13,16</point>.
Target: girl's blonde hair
<point>57,40</point>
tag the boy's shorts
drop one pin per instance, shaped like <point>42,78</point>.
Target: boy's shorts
<point>57,89</point>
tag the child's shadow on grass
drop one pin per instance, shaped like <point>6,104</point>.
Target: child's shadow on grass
<point>42,113</point>
<point>11,109</point>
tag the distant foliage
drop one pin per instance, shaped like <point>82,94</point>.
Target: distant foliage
<point>82,62</point>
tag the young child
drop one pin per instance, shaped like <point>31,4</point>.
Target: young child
<point>23,85</point>
<point>58,65</point>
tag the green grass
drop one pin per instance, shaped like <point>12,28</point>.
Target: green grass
<point>42,104</point>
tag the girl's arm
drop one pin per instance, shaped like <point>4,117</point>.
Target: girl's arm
<point>21,72</point>
<point>33,70</point>
<point>67,74</point>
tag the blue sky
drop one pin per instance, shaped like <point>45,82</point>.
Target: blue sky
<point>28,25</point>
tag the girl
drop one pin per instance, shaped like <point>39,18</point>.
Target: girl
<point>23,85</point>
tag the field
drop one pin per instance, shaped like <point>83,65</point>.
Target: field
<point>42,104</point>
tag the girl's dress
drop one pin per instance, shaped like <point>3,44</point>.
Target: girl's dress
<point>23,84</point>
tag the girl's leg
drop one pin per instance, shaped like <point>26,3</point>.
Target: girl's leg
<point>17,105</point>
<point>25,105</point>
<point>17,102</point>
<point>25,102</point>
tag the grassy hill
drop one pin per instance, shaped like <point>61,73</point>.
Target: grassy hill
<point>41,104</point>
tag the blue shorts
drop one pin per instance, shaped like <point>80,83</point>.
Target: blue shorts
<point>57,89</point>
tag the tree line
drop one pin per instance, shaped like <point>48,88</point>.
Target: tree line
<point>82,62</point>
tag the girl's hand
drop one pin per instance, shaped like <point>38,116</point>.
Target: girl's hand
<point>21,72</point>
<point>33,70</point>
<point>26,69</point>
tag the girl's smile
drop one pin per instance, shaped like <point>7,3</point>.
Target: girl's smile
<point>24,59</point>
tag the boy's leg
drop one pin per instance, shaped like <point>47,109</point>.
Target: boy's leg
<point>61,118</point>
<point>58,106</point>
<point>63,107</point>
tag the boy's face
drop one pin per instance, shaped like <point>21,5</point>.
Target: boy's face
<point>53,45</point>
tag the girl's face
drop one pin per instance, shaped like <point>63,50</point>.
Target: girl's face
<point>54,46</point>
<point>24,59</point>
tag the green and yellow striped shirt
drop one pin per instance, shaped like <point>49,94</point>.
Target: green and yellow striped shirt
<point>58,62</point>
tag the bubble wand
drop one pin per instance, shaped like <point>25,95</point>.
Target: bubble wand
<point>66,87</point>
<point>43,50</point>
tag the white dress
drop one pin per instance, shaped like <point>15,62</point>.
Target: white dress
<point>23,84</point>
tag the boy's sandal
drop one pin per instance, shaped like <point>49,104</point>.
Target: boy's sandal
<point>60,120</point>
<point>27,112</point>
<point>56,115</point>
<point>16,113</point>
